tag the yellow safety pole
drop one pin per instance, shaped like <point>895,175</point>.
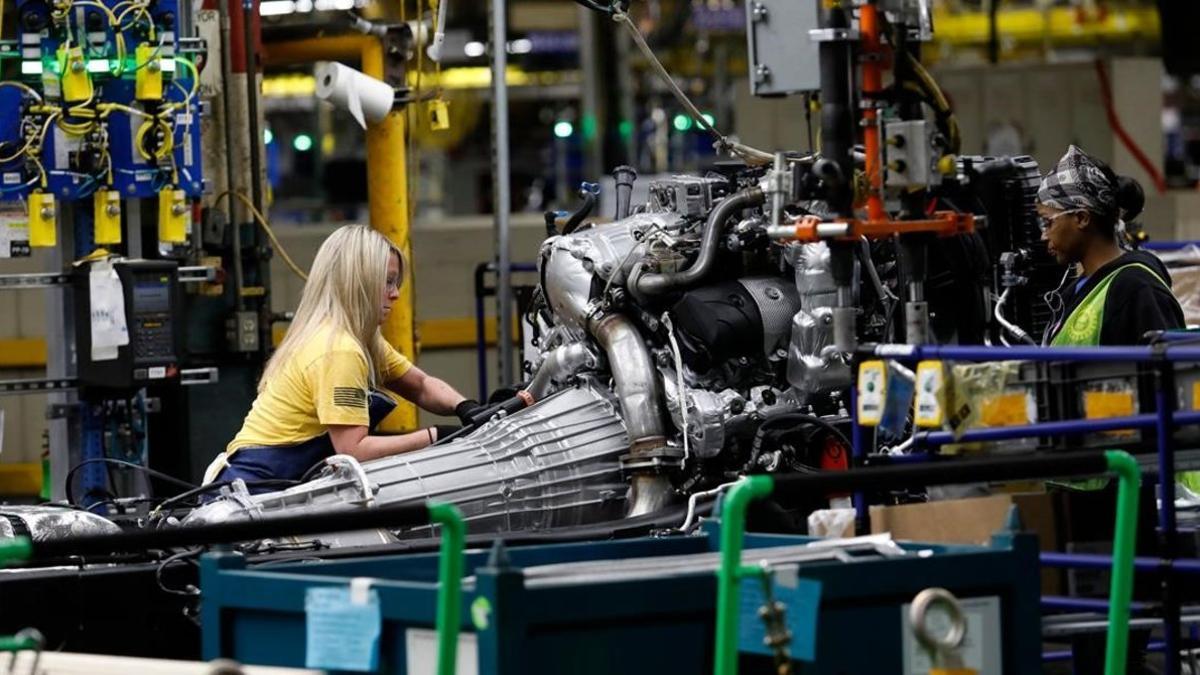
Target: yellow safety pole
<point>387,182</point>
<point>387,202</point>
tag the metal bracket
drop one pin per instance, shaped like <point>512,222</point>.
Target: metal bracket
<point>356,473</point>
<point>833,35</point>
<point>189,377</point>
<point>192,45</point>
<point>197,274</point>
<point>187,275</point>
<point>36,386</point>
<point>59,411</point>
<point>33,280</point>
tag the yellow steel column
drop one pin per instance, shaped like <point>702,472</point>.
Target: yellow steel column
<point>387,201</point>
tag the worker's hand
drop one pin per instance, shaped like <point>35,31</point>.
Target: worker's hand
<point>466,409</point>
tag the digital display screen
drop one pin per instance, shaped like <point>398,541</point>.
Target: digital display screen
<point>151,296</point>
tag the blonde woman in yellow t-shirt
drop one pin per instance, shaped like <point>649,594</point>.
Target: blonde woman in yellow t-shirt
<point>319,394</point>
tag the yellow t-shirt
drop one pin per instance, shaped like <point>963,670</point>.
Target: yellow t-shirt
<point>325,382</point>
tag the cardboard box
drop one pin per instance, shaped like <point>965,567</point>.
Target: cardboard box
<point>972,521</point>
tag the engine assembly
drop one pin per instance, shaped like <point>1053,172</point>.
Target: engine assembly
<point>677,347</point>
<point>706,333</point>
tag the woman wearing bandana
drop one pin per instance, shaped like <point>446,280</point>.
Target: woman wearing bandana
<point>1119,296</point>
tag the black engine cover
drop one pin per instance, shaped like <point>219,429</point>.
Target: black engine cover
<point>724,321</point>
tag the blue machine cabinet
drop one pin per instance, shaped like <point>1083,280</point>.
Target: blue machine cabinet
<point>662,625</point>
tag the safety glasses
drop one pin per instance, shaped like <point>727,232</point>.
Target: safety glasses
<point>1046,222</point>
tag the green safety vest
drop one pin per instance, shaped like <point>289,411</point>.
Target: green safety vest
<point>1082,329</point>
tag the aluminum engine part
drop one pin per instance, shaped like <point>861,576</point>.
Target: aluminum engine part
<point>42,523</point>
<point>570,262</point>
<point>558,365</point>
<point>688,195</point>
<point>550,465</point>
<point>810,369</point>
<point>708,412</point>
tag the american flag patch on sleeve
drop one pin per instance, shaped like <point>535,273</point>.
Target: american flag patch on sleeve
<point>350,397</point>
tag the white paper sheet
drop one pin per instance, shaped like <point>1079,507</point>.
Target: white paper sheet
<point>109,330</point>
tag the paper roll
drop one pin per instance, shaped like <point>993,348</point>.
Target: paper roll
<point>367,99</point>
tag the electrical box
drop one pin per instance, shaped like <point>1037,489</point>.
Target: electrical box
<point>173,216</point>
<point>783,58</point>
<point>106,211</point>
<point>149,84</point>
<point>145,297</point>
<point>76,82</point>
<point>241,331</point>
<point>43,221</point>
<point>439,115</point>
<point>912,158</point>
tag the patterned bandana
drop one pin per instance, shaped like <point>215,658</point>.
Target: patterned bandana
<point>1078,182</point>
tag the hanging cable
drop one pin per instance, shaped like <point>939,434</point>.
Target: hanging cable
<point>262,222</point>
<point>682,391</point>
<point>722,142</point>
<point>121,463</point>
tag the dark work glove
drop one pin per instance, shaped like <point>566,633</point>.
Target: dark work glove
<point>445,431</point>
<point>466,409</point>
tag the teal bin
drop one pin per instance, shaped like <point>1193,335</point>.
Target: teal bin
<point>521,617</point>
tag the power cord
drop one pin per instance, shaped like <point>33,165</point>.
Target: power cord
<point>262,222</point>
<point>122,463</point>
<point>722,142</point>
<point>188,591</point>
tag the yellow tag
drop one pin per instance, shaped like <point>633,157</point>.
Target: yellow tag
<point>1004,410</point>
<point>872,392</point>
<point>149,84</point>
<point>1196,395</point>
<point>929,404</point>
<point>43,229</point>
<point>76,82</point>
<point>172,216</point>
<point>1102,404</point>
<point>106,209</point>
<point>439,114</point>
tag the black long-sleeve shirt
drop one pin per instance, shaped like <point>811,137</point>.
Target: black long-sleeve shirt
<point>1137,302</point>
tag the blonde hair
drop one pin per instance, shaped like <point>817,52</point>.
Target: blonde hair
<point>342,293</point>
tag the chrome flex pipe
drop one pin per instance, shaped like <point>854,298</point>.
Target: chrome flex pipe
<point>638,389</point>
<point>660,284</point>
<point>636,384</point>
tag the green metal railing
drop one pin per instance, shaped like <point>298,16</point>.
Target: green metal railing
<point>733,527</point>
<point>450,571</point>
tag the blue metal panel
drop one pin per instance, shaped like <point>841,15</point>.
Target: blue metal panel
<point>13,179</point>
<point>133,176</point>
